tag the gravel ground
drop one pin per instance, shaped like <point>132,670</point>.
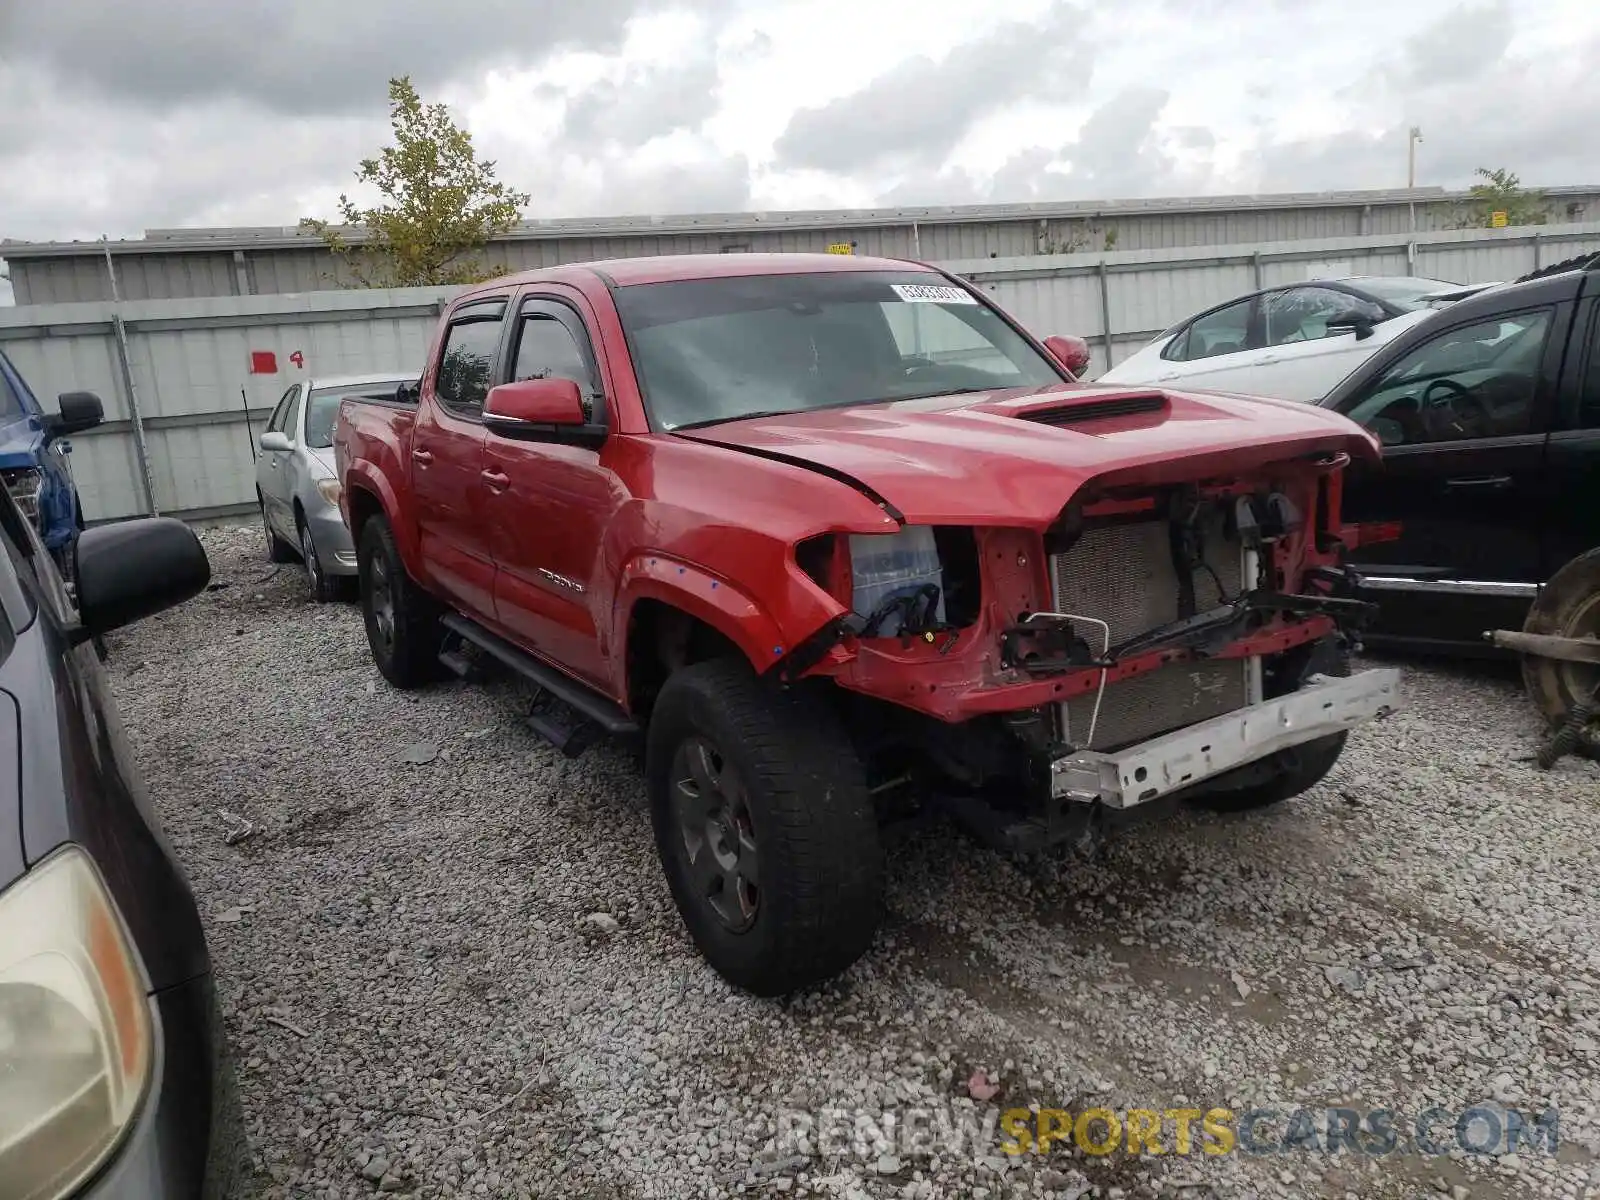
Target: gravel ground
<point>423,1000</point>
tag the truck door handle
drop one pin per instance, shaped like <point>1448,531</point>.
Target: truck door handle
<point>498,481</point>
<point>1164,378</point>
<point>1267,358</point>
<point>1478,483</point>
<point>422,456</point>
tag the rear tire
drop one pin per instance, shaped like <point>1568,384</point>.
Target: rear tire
<point>1568,606</point>
<point>765,828</point>
<point>402,620</point>
<point>278,550</point>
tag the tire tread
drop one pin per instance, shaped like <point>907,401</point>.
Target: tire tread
<point>816,803</point>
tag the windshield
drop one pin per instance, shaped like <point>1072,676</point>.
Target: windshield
<point>1406,292</point>
<point>323,412</point>
<point>710,350</point>
<point>10,400</point>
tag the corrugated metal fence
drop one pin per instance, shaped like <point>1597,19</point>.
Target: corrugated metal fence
<point>177,382</point>
<point>176,377</point>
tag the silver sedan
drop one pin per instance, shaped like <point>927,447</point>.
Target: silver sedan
<point>296,482</point>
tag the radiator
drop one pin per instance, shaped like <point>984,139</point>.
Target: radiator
<point>1123,575</point>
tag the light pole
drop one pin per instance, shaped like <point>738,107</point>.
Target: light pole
<point>1412,138</point>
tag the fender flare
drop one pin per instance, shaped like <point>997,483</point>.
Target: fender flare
<point>716,602</point>
<point>362,475</point>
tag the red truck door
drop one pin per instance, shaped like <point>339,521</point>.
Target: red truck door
<point>550,503</point>
<point>447,459</point>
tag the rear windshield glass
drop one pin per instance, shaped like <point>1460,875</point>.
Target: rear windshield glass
<point>1406,292</point>
<point>710,350</point>
<point>324,411</point>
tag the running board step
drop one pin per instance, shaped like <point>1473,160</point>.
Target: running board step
<point>586,703</point>
<point>459,664</point>
<point>558,723</point>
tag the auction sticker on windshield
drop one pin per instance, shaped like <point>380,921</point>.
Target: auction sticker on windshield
<point>922,293</point>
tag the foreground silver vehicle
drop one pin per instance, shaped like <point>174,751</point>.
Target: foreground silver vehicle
<point>296,483</point>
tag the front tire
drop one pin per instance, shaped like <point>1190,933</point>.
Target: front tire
<point>402,620</point>
<point>278,550</point>
<point>325,588</point>
<point>1293,771</point>
<point>1285,775</point>
<point>765,828</point>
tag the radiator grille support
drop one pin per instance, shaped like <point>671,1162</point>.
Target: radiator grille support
<point>1123,574</point>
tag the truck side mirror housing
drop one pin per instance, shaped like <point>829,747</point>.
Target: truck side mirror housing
<point>79,411</point>
<point>275,442</point>
<point>1071,352</point>
<point>134,569</point>
<point>533,402</point>
<point>541,410</point>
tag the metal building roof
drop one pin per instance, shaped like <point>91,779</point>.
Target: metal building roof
<point>156,241</point>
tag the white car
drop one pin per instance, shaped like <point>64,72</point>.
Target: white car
<point>1293,342</point>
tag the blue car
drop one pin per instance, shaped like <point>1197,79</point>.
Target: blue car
<point>33,457</point>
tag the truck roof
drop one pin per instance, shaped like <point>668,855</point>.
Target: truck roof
<point>668,268</point>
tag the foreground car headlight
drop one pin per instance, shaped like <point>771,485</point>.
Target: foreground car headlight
<point>75,1038</point>
<point>25,484</point>
<point>331,491</point>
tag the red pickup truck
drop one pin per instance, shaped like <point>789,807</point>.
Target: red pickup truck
<point>841,541</point>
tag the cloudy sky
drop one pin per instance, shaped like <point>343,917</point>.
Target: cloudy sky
<point>122,115</point>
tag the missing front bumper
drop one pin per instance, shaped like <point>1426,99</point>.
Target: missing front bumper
<point>1144,772</point>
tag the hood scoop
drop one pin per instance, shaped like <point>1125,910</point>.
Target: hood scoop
<point>1097,410</point>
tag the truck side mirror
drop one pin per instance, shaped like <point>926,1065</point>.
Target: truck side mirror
<point>533,402</point>
<point>79,411</point>
<point>408,392</point>
<point>541,410</point>
<point>133,569</point>
<point>1071,352</point>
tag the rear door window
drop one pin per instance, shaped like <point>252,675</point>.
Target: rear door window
<point>1226,331</point>
<point>466,362</point>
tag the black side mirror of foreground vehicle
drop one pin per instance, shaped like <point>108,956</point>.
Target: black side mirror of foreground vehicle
<point>134,569</point>
<point>79,411</point>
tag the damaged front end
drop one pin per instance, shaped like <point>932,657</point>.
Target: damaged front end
<point>1153,640</point>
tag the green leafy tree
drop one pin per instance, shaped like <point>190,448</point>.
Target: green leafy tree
<point>1501,191</point>
<point>440,203</point>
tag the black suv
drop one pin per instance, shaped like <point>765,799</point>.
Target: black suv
<point>1489,414</point>
<point>113,1080</point>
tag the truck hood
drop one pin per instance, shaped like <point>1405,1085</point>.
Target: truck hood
<point>1015,457</point>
